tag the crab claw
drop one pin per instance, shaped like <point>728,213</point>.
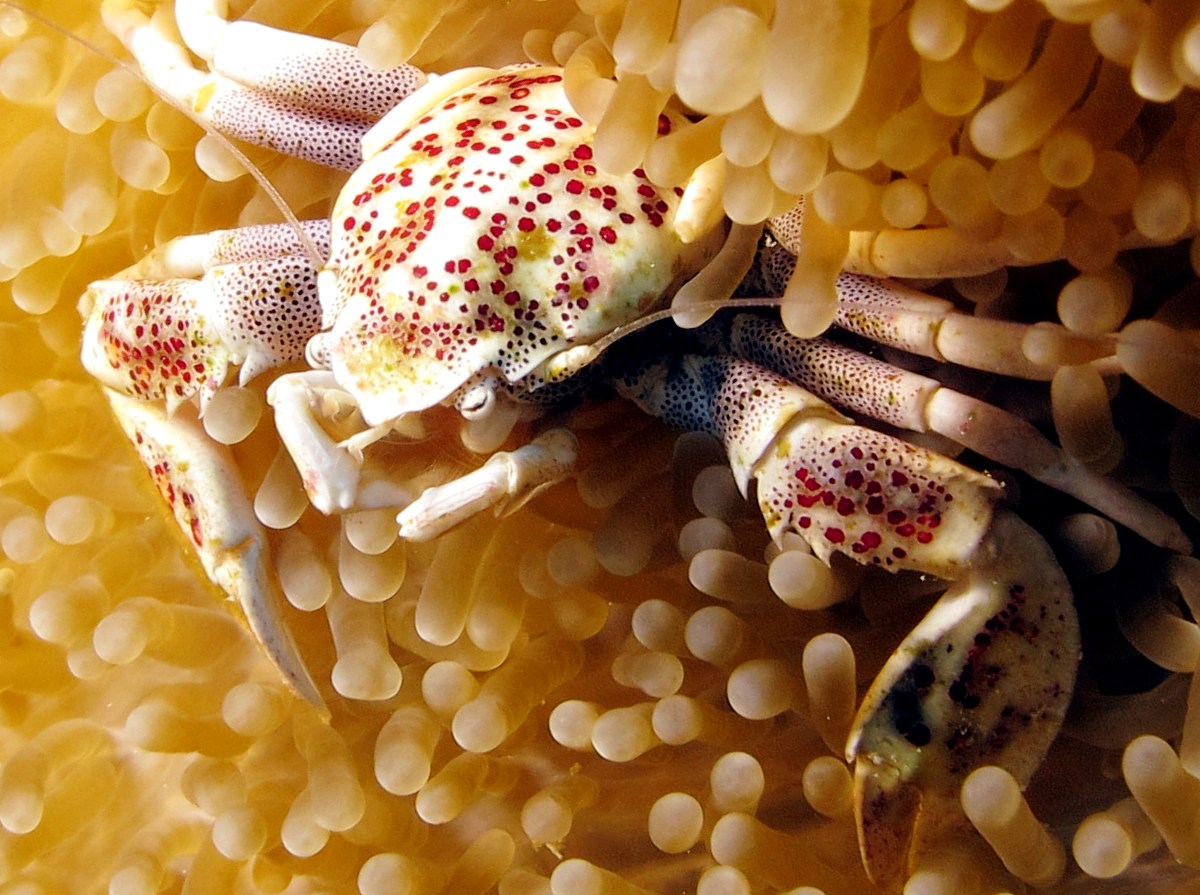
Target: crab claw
<point>986,676</point>
<point>984,679</point>
<point>198,480</point>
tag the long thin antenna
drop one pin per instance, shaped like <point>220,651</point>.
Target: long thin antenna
<point>306,244</point>
<point>606,341</point>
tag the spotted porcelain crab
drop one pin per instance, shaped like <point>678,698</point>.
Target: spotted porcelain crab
<point>479,257</point>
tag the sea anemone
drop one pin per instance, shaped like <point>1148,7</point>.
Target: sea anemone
<point>622,687</point>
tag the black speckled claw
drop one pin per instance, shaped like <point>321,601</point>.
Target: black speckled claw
<point>984,679</point>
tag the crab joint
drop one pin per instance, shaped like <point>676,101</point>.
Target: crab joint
<point>506,482</point>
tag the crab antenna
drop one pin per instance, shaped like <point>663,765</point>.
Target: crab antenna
<point>717,304</point>
<point>307,245</point>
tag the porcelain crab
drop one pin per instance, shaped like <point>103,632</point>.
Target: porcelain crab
<point>479,256</point>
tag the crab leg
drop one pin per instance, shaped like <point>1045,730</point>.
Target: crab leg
<point>200,483</point>
<point>889,313</point>
<point>332,471</point>
<point>843,488</point>
<point>986,677</point>
<point>161,337</point>
<point>300,95</point>
<point>935,252</point>
<point>872,388</point>
<point>506,482</point>
<point>924,253</point>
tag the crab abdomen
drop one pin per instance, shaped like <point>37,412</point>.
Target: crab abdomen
<point>485,236</point>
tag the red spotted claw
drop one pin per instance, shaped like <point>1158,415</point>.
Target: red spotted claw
<point>986,676</point>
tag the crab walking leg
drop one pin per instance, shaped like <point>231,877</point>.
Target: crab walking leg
<point>168,328</point>
<point>907,400</point>
<point>923,253</point>
<point>200,483</point>
<point>194,255</point>
<point>984,679</point>
<point>299,95</point>
<point>890,313</point>
<point>987,675</point>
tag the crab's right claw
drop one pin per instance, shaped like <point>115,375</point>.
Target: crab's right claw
<point>984,679</point>
<point>199,481</point>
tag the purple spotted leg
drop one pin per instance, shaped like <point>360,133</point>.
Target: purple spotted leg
<point>293,93</point>
<point>986,676</point>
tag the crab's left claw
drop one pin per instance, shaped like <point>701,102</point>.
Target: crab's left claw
<point>199,481</point>
<point>984,679</point>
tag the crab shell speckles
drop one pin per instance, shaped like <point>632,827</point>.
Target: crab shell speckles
<point>483,236</point>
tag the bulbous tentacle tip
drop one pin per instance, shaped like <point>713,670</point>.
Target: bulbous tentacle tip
<point>984,679</point>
